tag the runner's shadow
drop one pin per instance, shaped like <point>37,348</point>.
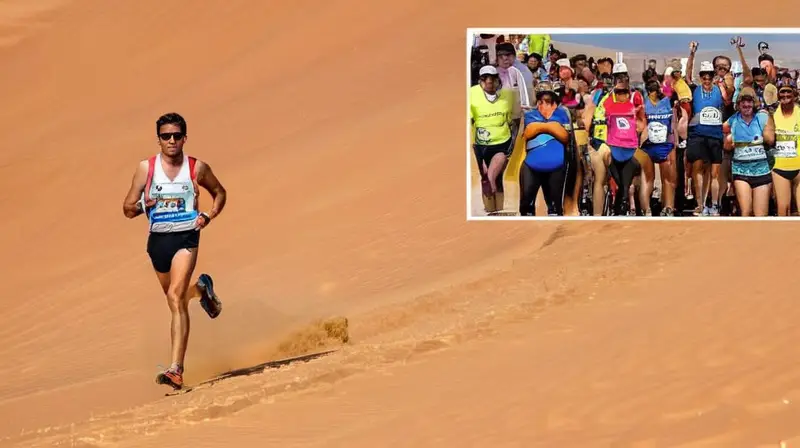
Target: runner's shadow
<point>264,366</point>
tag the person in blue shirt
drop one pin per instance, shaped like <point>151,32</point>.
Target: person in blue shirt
<point>704,143</point>
<point>549,147</point>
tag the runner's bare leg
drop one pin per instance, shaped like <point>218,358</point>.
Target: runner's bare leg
<point>178,293</point>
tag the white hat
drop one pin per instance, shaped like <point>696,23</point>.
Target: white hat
<point>668,71</point>
<point>564,62</point>
<point>488,70</point>
<point>706,66</point>
<point>620,67</point>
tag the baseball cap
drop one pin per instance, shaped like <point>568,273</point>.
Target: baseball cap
<point>488,70</point>
<point>706,66</point>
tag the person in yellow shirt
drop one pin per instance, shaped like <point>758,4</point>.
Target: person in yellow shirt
<point>490,109</point>
<point>785,178</point>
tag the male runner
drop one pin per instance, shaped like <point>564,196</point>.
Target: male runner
<point>165,187</point>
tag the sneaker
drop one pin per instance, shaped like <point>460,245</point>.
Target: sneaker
<point>714,211</point>
<point>706,211</point>
<point>171,377</point>
<point>209,300</point>
<point>667,211</point>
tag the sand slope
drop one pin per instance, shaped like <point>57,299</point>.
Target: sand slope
<point>346,180</point>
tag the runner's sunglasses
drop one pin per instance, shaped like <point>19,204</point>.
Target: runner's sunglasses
<point>167,135</point>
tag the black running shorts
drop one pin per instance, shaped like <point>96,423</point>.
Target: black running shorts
<point>162,247</point>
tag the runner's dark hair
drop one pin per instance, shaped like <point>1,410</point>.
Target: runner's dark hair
<point>716,58</point>
<point>171,118</point>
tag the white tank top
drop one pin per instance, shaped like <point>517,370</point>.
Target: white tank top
<point>176,200</point>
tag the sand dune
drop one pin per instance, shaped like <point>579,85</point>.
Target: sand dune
<point>346,178</point>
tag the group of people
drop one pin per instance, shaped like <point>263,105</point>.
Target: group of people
<point>723,143</point>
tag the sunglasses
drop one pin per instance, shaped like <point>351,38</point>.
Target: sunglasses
<point>167,135</point>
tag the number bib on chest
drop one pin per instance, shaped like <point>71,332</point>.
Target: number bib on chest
<point>174,208</point>
<point>710,116</point>
<point>786,149</point>
<point>749,153</point>
<point>656,132</point>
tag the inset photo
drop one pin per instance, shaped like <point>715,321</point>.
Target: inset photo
<point>665,123</point>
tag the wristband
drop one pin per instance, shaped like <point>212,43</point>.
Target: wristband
<point>205,215</point>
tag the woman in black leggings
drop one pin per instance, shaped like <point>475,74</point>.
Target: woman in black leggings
<point>549,141</point>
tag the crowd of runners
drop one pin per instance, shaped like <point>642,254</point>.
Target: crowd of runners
<point>721,142</point>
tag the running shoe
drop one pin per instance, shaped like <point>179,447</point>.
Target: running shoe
<point>209,300</point>
<point>171,377</point>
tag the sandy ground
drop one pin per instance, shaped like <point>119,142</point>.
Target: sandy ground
<point>346,182</point>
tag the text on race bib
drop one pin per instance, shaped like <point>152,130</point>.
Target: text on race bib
<point>748,153</point>
<point>710,116</point>
<point>656,132</point>
<point>786,149</point>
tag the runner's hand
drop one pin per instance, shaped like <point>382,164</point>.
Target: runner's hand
<point>693,46</point>
<point>202,221</point>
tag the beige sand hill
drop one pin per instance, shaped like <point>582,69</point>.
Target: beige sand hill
<point>346,181</point>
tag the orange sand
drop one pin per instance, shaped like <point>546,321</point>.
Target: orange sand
<point>338,129</point>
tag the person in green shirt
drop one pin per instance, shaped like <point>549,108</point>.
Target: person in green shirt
<point>490,109</point>
<point>539,43</point>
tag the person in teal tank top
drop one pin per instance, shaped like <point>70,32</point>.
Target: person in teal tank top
<point>748,134</point>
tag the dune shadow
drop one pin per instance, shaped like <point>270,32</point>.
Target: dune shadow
<point>245,371</point>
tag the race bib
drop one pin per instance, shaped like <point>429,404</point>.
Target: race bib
<point>711,116</point>
<point>482,136</point>
<point>600,132</point>
<point>750,153</point>
<point>786,149</point>
<point>623,123</point>
<point>656,132</point>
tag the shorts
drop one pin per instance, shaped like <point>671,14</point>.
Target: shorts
<point>658,154</point>
<point>162,247</point>
<point>786,174</point>
<point>596,142</point>
<point>707,149</point>
<point>484,153</point>
<point>754,181</point>
<point>620,154</point>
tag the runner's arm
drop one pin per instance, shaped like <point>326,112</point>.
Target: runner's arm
<point>727,142</point>
<point>209,181</point>
<point>747,74</point>
<point>769,130</point>
<point>588,112</point>
<point>130,206</point>
<point>690,67</point>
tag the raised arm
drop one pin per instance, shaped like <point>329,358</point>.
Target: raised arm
<point>769,129</point>
<point>131,206</point>
<point>208,180</point>
<point>690,65</point>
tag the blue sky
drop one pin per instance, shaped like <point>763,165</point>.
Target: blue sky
<point>669,43</point>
